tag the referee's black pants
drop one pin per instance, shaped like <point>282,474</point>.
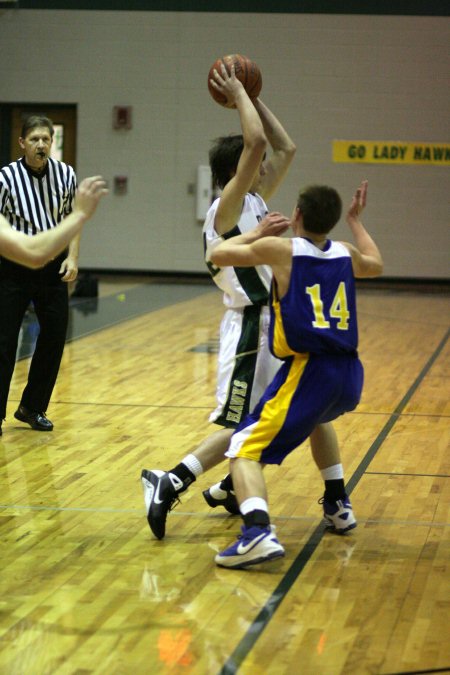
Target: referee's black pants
<point>18,287</point>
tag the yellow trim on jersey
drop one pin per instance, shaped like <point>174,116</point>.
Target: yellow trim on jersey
<point>259,435</point>
<point>280,344</point>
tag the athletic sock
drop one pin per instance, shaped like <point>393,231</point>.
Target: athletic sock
<point>187,471</point>
<point>333,477</point>
<point>255,512</point>
<point>227,483</point>
<point>334,490</point>
<point>221,490</point>
<point>217,492</point>
<point>257,519</point>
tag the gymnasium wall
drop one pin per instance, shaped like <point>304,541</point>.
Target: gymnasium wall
<point>328,77</point>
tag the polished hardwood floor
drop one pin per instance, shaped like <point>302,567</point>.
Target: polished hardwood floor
<point>84,587</point>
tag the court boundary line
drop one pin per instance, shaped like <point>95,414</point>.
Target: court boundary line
<point>445,669</point>
<point>412,475</point>
<point>207,516</point>
<point>113,404</point>
<point>264,616</point>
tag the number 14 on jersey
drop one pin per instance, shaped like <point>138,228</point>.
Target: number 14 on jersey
<point>338,309</point>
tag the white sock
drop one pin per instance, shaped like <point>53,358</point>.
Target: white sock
<point>334,472</point>
<point>253,504</point>
<point>217,492</point>
<point>191,462</point>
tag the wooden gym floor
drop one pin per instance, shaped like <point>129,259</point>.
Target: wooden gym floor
<point>85,589</point>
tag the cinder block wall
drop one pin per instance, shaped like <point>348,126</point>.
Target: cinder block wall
<point>326,77</point>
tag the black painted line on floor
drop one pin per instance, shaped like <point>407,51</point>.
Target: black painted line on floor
<point>416,475</point>
<point>354,480</point>
<point>155,406</point>
<point>266,613</point>
<point>445,669</point>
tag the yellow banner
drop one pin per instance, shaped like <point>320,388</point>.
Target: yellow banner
<point>391,152</point>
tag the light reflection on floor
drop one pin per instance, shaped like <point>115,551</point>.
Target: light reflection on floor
<point>88,315</point>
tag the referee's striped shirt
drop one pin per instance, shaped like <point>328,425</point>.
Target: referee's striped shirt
<point>34,202</point>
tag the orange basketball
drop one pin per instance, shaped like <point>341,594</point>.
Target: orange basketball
<point>245,70</point>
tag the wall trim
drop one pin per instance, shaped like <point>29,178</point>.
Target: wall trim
<point>369,7</point>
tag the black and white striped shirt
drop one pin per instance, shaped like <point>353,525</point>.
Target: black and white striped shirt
<point>34,202</point>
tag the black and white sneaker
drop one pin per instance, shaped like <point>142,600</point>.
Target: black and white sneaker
<point>217,496</point>
<point>160,497</point>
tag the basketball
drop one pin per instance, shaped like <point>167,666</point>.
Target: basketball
<point>245,70</point>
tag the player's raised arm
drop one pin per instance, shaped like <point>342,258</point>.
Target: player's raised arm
<point>366,257</point>
<point>252,154</point>
<point>283,151</point>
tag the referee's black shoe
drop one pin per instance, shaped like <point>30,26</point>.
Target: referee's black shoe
<point>37,420</point>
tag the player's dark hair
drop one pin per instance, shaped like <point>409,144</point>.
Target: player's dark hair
<point>33,121</point>
<point>321,208</point>
<point>224,157</point>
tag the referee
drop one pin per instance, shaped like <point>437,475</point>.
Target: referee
<point>36,193</point>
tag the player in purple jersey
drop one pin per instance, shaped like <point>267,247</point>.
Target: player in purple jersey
<point>314,331</point>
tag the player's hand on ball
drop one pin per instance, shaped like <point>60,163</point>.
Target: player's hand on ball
<point>220,78</point>
<point>227,84</point>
